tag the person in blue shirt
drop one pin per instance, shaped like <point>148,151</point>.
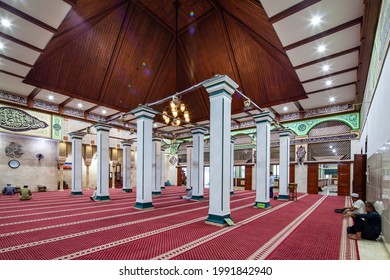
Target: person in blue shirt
<point>367,225</point>
<point>9,190</point>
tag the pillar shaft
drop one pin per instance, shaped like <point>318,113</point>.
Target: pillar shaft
<point>162,168</point>
<point>232,165</point>
<point>284,163</point>
<point>220,89</point>
<point>156,166</point>
<point>144,117</point>
<point>263,143</point>
<point>77,162</point>
<point>197,163</point>
<point>189,167</point>
<point>126,187</point>
<point>103,161</point>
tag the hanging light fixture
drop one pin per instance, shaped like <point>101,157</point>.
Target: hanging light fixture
<point>177,111</point>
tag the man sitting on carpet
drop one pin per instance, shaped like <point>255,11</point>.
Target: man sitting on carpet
<point>366,226</point>
<point>188,196</point>
<point>25,193</point>
<point>358,206</point>
<point>9,190</point>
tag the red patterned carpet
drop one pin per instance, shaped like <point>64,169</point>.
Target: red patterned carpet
<point>56,225</point>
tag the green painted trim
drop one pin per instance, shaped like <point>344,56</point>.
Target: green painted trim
<point>302,128</point>
<point>162,187</point>
<point>220,83</point>
<point>262,205</point>
<point>197,197</point>
<point>141,205</point>
<point>217,219</point>
<point>156,193</point>
<point>221,92</point>
<point>76,193</point>
<point>283,197</point>
<point>231,192</point>
<point>102,198</point>
<point>127,190</point>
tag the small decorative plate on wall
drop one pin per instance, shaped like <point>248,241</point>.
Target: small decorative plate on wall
<point>14,163</point>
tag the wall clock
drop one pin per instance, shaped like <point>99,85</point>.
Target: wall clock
<point>14,163</point>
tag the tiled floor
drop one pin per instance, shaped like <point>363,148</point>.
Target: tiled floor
<point>372,250</point>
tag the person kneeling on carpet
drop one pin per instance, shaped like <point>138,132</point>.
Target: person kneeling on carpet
<point>188,196</point>
<point>25,193</point>
<point>367,225</point>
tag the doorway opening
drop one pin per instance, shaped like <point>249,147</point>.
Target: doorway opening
<point>328,179</point>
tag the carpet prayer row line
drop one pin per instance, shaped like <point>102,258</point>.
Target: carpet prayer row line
<point>57,225</point>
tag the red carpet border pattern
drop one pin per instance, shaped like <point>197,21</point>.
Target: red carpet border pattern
<point>57,225</point>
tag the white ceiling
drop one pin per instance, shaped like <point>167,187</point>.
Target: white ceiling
<point>18,56</point>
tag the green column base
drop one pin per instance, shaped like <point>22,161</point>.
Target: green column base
<point>127,190</point>
<point>217,220</point>
<point>282,197</point>
<point>76,193</point>
<point>163,187</point>
<point>140,205</point>
<point>197,197</point>
<point>231,192</point>
<point>262,205</point>
<point>156,193</point>
<point>102,198</point>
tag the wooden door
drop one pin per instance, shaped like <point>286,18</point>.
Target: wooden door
<point>359,175</point>
<point>248,177</point>
<point>344,179</point>
<point>292,173</point>
<point>179,176</point>
<point>312,178</point>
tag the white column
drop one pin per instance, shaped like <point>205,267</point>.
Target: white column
<point>284,163</point>
<point>197,163</point>
<point>220,89</point>
<point>189,169</point>
<point>263,151</point>
<point>126,144</point>
<point>156,166</point>
<point>162,168</point>
<point>103,161</point>
<point>144,117</point>
<point>232,165</point>
<point>77,162</point>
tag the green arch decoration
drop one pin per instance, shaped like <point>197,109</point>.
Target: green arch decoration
<point>302,128</point>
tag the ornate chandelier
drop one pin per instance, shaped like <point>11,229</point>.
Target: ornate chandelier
<point>176,112</point>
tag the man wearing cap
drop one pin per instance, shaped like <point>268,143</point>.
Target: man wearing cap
<point>358,206</point>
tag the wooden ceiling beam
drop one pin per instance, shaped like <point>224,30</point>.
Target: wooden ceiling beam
<point>16,61</point>
<point>331,75</point>
<point>71,2</point>
<point>12,74</point>
<point>332,88</point>
<point>20,42</point>
<point>292,10</point>
<point>155,18</point>
<point>61,106</point>
<point>31,96</point>
<point>325,33</point>
<point>355,49</point>
<point>27,17</point>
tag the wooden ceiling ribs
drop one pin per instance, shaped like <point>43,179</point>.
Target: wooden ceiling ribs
<point>20,42</point>
<point>330,75</point>
<point>292,10</point>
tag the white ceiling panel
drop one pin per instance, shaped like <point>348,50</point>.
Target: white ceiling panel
<point>321,99</point>
<point>337,80</point>
<point>14,85</point>
<point>51,12</point>
<point>18,52</point>
<point>74,104</point>
<point>23,30</point>
<point>332,13</point>
<point>108,111</point>
<point>44,94</point>
<point>334,43</point>
<point>291,108</point>
<point>273,7</point>
<point>340,63</point>
<point>13,67</point>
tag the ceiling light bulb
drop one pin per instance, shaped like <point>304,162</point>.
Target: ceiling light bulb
<point>51,97</point>
<point>325,68</point>
<point>5,22</point>
<point>321,48</point>
<point>174,113</point>
<point>315,20</point>
<point>80,105</point>
<point>182,107</point>
<point>1,46</point>
<point>285,108</point>
<point>328,82</point>
<point>332,99</point>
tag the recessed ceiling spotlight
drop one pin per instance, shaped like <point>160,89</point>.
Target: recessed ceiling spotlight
<point>50,97</point>
<point>80,105</point>
<point>321,48</point>
<point>285,108</point>
<point>332,99</point>
<point>104,112</point>
<point>325,68</point>
<point>328,83</point>
<point>315,20</point>
<point>1,46</point>
<point>154,125</point>
<point>5,22</point>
